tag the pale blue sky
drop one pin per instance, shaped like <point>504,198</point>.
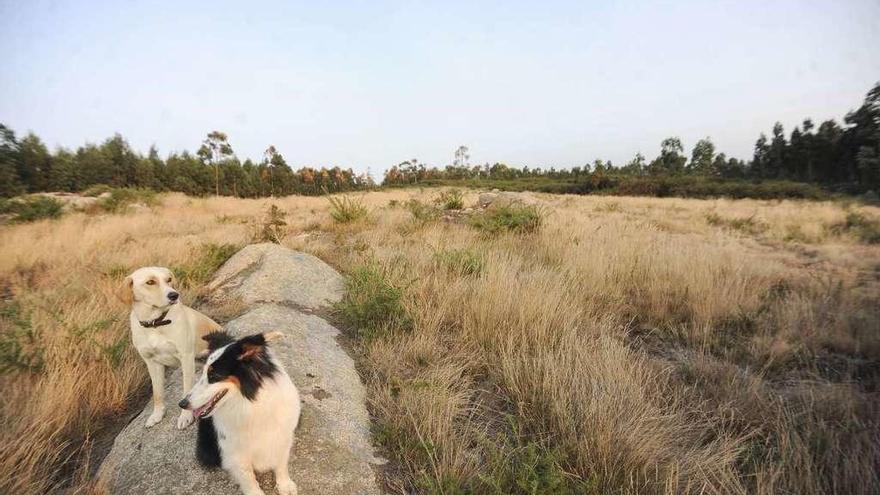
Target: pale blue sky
<point>369,84</point>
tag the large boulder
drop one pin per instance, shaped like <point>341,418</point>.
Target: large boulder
<point>332,453</point>
<point>266,272</point>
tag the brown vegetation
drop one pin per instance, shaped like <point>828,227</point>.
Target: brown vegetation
<point>625,345</point>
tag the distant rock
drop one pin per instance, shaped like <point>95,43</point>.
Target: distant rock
<point>332,453</point>
<point>487,198</point>
<point>71,201</point>
<point>503,198</point>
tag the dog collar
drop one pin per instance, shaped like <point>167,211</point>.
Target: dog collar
<point>160,321</point>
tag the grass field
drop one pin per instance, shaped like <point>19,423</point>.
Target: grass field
<point>599,345</point>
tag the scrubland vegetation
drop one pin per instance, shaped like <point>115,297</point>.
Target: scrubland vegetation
<point>586,344</point>
<point>622,345</point>
<point>807,163</point>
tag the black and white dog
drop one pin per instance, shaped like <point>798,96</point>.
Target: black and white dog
<point>248,409</point>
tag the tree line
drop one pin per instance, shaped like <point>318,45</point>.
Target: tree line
<point>27,166</point>
<point>842,157</point>
<point>845,157</point>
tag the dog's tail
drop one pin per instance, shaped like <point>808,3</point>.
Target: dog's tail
<point>207,448</point>
<point>204,326</point>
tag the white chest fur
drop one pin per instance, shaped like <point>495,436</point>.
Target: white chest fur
<point>156,344</point>
<point>259,434</point>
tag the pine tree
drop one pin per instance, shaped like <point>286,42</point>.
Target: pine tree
<point>10,182</point>
<point>761,158</point>
<point>35,163</point>
<point>776,154</point>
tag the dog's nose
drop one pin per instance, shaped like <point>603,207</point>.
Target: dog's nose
<point>172,296</point>
<point>184,403</point>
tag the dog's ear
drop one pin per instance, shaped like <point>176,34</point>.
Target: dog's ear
<point>125,292</point>
<point>251,346</point>
<point>217,339</point>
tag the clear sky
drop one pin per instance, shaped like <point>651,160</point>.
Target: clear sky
<point>369,84</point>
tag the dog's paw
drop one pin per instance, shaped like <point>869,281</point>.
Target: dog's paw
<point>185,419</point>
<point>154,418</point>
<point>287,487</point>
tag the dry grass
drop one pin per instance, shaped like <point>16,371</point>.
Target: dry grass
<point>71,368</point>
<point>626,347</point>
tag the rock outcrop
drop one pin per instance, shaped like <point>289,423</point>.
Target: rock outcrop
<point>73,202</point>
<point>497,199</point>
<point>332,454</point>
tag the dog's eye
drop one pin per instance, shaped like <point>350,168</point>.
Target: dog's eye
<point>151,282</point>
<point>169,280</point>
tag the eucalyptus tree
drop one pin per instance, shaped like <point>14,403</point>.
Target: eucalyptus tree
<point>215,149</point>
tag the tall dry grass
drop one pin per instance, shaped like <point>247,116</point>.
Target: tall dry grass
<point>69,369</point>
<point>631,345</point>
<point>657,351</point>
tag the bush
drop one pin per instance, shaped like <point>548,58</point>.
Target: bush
<point>451,199</point>
<point>687,186</point>
<point>709,187</point>
<point>272,227</point>
<point>512,217</point>
<point>19,349</point>
<point>749,225</point>
<point>372,304</point>
<point>511,462</point>
<point>347,209</point>
<point>863,228</point>
<point>206,259</point>
<point>521,465</point>
<point>97,190</point>
<point>421,212</point>
<point>31,209</point>
<point>462,262</point>
<point>120,199</point>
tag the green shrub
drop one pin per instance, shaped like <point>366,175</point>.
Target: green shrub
<point>863,228</point>
<point>451,199</point>
<point>347,209</point>
<point>707,187</point>
<point>640,185</point>
<point>421,212</point>
<point>462,262</point>
<point>32,208</point>
<point>512,217</point>
<point>19,349</point>
<point>372,304</point>
<point>97,190</point>
<point>120,199</point>
<point>517,464</point>
<point>205,260</point>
